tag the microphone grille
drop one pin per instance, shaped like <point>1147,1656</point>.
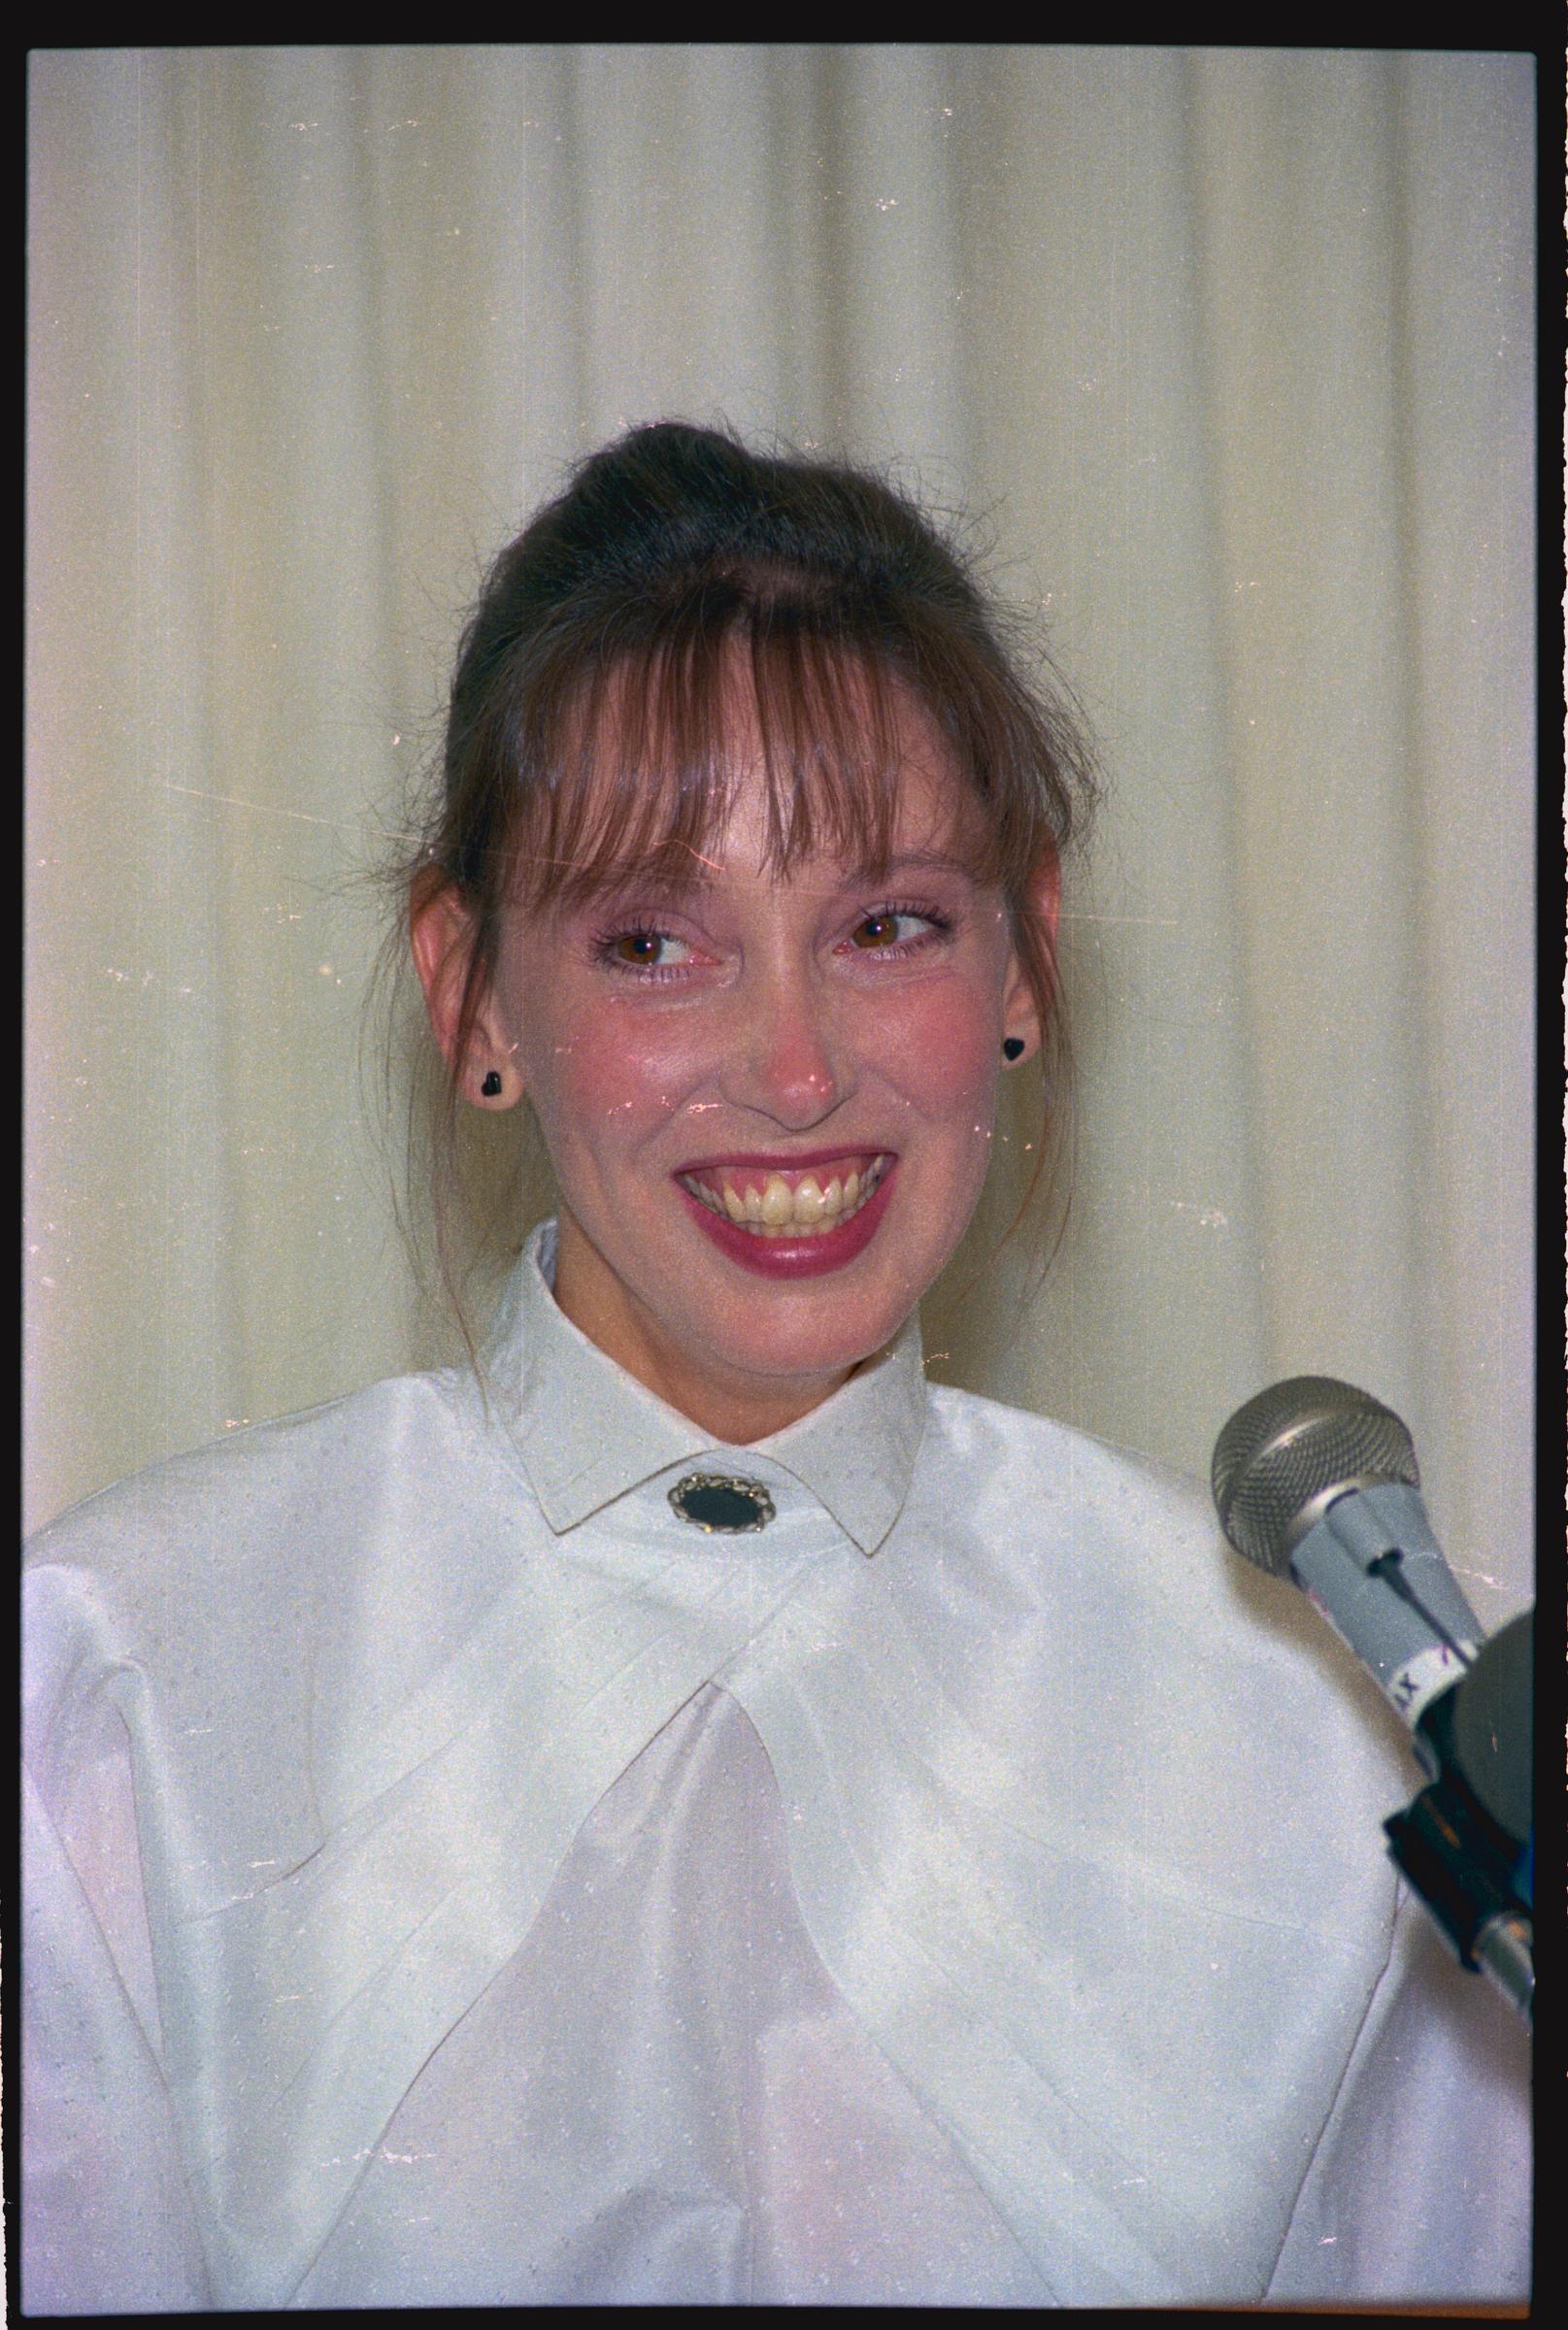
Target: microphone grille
<point>1288,1447</point>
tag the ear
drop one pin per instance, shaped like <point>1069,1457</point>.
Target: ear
<point>441,937</point>
<point>1021,1013</point>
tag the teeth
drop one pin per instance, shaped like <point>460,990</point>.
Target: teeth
<point>778,1211</point>
<point>778,1202</point>
<point>809,1206</point>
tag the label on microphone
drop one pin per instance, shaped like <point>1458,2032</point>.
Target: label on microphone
<point>1420,1679</point>
<point>1407,1628</point>
<point>1411,1682</point>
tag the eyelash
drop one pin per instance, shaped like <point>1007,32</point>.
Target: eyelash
<point>602,946</point>
<point>941,926</point>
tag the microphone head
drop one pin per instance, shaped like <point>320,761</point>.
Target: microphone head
<point>1284,1458</point>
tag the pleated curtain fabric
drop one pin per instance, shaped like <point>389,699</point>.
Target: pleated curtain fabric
<point>1229,353</point>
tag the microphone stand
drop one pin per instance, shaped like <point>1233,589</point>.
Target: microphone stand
<point>1466,1842</point>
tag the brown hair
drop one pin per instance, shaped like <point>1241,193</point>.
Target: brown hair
<point>674,557</point>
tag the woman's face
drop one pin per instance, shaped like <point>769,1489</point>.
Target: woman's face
<point>768,1103</point>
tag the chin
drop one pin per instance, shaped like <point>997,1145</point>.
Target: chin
<point>787,1336</point>
<point>806,1361</point>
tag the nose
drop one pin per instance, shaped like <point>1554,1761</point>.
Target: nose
<point>786,1060</point>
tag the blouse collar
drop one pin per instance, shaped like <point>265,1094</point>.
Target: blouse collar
<point>589,1432</point>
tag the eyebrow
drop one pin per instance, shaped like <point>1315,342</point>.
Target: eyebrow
<point>661,881</point>
<point>941,861</point>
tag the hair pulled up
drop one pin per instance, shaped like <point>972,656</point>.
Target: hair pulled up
<point>594,692</point>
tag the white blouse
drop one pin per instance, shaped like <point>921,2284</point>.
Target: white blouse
<point>455,1878</point>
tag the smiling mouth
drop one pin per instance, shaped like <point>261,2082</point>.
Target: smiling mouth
<point>789,1202</point>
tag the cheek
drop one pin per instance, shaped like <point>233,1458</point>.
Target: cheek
<point>937,1049</point>
<point>607,1069</point>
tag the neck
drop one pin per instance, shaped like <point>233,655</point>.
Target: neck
<point>740,1417</point>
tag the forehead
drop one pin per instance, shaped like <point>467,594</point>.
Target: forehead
<point>905,799</point>
<point>826,766</point>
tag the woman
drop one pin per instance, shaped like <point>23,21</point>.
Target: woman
<point>683,1810</point>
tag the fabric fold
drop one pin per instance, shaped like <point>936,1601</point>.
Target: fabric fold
<point>386,1937</point>
<point>1059,1992</point>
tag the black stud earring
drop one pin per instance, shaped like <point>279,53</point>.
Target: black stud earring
<point>1012,1047</point>
<point>491,1087</point>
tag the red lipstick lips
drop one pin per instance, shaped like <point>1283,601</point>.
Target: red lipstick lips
<point>785,1257</point>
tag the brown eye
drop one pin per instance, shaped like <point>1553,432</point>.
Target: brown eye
<point>877,930</point>
<point>646,951</point>
<point>638,947</point>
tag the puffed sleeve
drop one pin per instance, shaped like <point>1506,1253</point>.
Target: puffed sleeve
<point>107,2224</point>
<point>1420,2186</point>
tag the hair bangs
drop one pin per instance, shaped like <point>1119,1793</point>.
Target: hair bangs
<point>634,771</point>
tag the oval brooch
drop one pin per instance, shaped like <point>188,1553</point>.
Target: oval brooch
<point>721,1504</point>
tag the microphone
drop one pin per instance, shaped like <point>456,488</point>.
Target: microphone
<point>1316,1481</point>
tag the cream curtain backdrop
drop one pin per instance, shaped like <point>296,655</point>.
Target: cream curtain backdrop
<point>1233,349</point>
